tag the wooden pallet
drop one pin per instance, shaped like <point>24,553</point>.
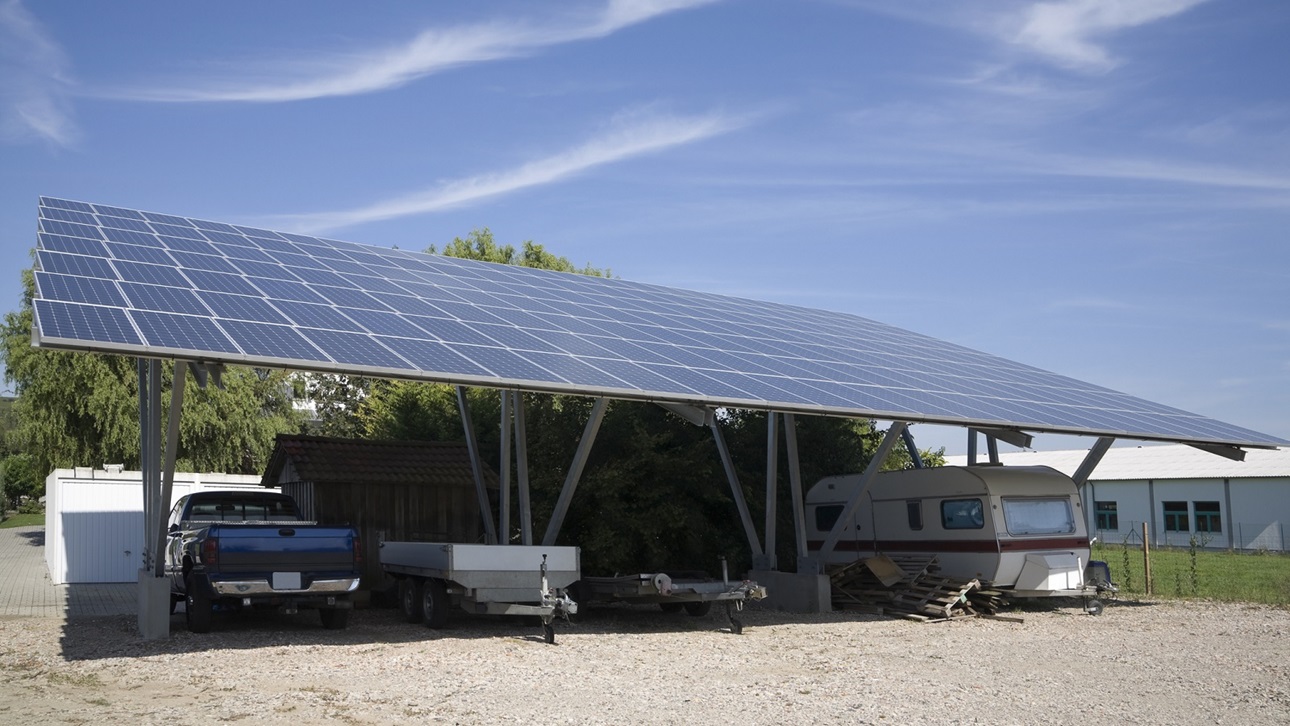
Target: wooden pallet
<point>905,587</point>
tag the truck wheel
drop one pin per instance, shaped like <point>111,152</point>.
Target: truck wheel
<point>198,608</point>
<point>334,618</point>
<point>698,609</point>
<point>434,603</point>
<point>410,599</point>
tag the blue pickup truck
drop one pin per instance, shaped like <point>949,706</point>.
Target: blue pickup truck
<point>242,549</point>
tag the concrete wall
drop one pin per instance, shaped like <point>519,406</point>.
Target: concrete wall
<point>94,520</point>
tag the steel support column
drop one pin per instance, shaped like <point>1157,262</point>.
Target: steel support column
<point>772,488</point>
<point>476,466</point>
<point>575,471</point>
<point>504,496</point>
<point>1095,454</point>
<point>908,437</point>
<point>162,515</point>
<point>736,490</point>
<point>522,469</point>
<point>992,446</point>
<point>971,455</point>
<point>849,511</point>
<point>805,563</point>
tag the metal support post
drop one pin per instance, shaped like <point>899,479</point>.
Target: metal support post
<point>522,467</point>
<point>575,471</point>
<point>805,563</point>
<point>772,490</point>
<point>971,456</point>
<point>849,511</point>
<point>1095,454</point>
<point>908,437</point>
<point>992,446</point>
<point>504,496</point>
<point>736,490</point>
<point>477,466</point>
<point>168,467</point>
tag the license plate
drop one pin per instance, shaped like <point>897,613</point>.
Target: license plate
<point>286,581</point>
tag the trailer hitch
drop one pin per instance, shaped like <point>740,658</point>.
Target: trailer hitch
<point>558,602</point>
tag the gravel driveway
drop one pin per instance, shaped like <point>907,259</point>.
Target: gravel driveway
<point>1150,663</point>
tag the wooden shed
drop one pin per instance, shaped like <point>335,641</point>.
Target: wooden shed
<point>419,491</point>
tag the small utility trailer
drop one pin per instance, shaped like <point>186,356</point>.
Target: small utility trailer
<point>693,592</point>
<point>485,579</point>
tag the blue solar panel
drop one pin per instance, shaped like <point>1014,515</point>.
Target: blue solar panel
<point>271,341</point>
<point>71,322</point>
<point>73,288</point>
<point>242,307</point>
<point>216,291</point>
<point>163,299</point>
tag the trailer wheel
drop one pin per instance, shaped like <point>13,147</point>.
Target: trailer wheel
<point>548,633</point>
<point>698,609</point>
<point>334,618</point>
<point>1093,607</point>
<point>198,608</point>
<point>736,626</point>
<point>410,599</point>
<point>434,603</point>
<point>670,607</point>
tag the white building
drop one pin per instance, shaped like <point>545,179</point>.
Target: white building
<point>1181,492</point>
<point>94,520</point>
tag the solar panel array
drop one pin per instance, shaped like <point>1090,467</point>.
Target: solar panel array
<point>124,281</point>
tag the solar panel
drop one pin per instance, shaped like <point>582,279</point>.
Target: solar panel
<point>117,280</point>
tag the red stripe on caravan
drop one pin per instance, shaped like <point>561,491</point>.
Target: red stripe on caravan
<point>956,545</point>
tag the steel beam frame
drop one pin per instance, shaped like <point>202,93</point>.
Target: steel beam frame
<point>575,471</point>
<point>875,464</point>
<point>477,467</point>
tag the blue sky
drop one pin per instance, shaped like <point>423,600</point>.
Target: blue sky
<point>1099,188</point>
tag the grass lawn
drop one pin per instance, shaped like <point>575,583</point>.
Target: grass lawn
<point>1228,576</point>
<point>22,520</point>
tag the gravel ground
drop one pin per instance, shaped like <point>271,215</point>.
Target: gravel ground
<point>1139,663</point>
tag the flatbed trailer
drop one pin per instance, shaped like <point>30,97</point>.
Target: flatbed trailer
<point>693,592</point>
<point>485,579</point>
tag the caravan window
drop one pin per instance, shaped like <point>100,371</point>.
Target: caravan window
<point>962,514</point>
<point>826,515</point>
<point>1050,515</point>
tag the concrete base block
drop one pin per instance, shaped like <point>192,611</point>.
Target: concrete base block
<point>154,606</point>
<point>795,592</point>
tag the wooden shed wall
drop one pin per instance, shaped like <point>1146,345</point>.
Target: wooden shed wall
<point>393,512</point>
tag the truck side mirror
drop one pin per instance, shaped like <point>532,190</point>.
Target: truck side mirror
<point>174,529</point>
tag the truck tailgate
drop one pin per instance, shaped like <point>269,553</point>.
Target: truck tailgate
<point>271,547</point>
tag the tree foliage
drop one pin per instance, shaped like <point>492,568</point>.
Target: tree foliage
<point>79,409</point>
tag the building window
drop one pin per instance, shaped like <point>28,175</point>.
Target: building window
<point>1176,519</point>
<point>826,516</point>
<point>1108,515</point>
<point>962,514</point>
<point>915,511</point>
<point>1208,517</point>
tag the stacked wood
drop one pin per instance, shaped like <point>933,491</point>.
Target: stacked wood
<point>904,587</point>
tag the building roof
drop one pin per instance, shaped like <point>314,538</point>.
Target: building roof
<point>323,459</point>
<point>1173,461</point>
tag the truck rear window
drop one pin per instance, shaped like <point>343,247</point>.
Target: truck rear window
<point>238,510</point>
<point>1049,515</point>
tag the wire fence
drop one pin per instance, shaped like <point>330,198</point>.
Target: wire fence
<point>1192,571</point>
<point>1245,537</point>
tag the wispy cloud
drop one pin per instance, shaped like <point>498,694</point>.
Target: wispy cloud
<point>34,81</point>
<point>431,51</point>
<point>631,135</point>
<point>1067,32</point>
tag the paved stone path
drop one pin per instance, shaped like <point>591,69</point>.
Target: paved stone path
<point>26,590</point>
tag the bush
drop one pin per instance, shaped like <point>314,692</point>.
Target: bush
<point>20,480</point>
<point>31,506</point>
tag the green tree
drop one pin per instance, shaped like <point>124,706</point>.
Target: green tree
<point>77,409</point>
<point>19,478</point>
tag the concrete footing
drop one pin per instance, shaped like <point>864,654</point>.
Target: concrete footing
<point>154,606</point>
<point>795,592</point>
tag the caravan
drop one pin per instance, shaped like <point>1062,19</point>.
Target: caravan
<point>1020,527</point>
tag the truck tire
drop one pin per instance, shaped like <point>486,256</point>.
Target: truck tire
<point>434,603</point>
<point>198,608</point>
<point>410,599</point>
<point>334,618</point>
